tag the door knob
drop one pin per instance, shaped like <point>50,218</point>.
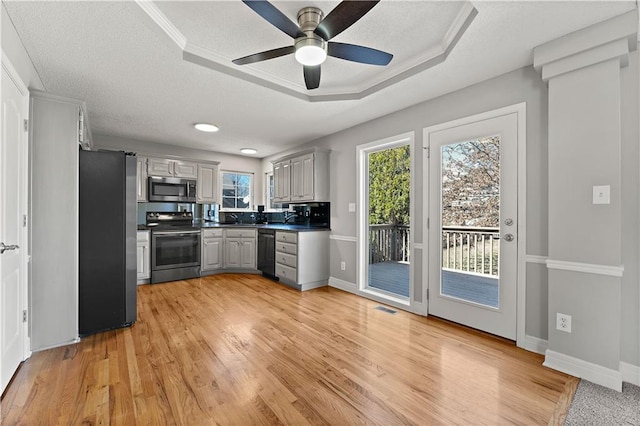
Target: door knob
<point>4,247</point>
<point>509,237</point>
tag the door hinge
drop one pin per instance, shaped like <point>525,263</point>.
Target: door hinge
<point>24,316</point>
<point>428,149</point>
<point>427,223</point>
<point>24,220</point>
<point>26,125</point>
<point>427,294</point>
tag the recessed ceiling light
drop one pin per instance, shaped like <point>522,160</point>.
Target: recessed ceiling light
<point>206,127</point>
<point>248,151</point>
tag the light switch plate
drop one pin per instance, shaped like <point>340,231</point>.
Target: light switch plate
<point>602,194</point>
<point>352,207</point>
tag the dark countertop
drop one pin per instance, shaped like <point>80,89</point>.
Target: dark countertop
<point>276,226</point>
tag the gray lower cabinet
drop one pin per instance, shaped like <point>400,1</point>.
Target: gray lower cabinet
<point>143,256</point>
<point>302,258</point>
<point>228,249</point>
<point>240,248</point>
<point>212,258</point>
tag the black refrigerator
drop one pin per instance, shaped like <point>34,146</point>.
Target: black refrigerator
<point>107,246</point>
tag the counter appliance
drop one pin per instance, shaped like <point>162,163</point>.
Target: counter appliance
<point>267,252</point>
<point>172,190</point>
<point>175,246</point>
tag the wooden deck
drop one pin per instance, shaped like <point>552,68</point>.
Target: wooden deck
<point>393,277</point>
<point>242,350</point>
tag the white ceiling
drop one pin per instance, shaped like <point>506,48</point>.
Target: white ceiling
<point>132,74</point>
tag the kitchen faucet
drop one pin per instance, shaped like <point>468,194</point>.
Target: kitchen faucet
<point>288,216</point>
<point>234,217</point>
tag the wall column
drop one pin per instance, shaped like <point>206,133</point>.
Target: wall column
<point>582,70</point>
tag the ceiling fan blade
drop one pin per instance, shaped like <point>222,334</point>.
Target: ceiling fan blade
<point>342,17</point>
<point>276,18</point>
<point>312,76</point>
<point>355,53</point>
<point>263,56</point>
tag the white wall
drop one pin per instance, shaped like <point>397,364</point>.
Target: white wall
<point>13,48</point>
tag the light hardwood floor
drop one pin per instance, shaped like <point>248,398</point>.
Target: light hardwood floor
<point>239,349</point>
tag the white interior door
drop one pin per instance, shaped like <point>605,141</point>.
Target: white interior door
<point>12,207</point>
<point>473,207</point>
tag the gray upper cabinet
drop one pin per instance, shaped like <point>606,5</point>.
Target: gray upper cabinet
<point>172,168</point>
<point>207,183</point>
<point>185,169</point>
<point>281,181</point>
<point>302,177</point>
<point>141,179</point>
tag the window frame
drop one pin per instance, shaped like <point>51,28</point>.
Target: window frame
<point>251,176</point>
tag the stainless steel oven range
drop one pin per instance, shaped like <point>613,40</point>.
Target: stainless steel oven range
<point>175,246</point>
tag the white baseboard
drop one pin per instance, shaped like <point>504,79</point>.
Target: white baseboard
<point>535,344</point>
<point>343,285</point>
<point>594,373</point>
<point>630,373</point>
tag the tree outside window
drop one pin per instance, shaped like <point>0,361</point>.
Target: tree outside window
<point>236,190</point>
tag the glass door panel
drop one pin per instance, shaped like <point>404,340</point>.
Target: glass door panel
<point>389,184</point>
<point>470,200</point>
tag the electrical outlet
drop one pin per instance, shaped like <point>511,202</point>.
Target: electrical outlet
<point>343,265</point>
<point>563,322</point>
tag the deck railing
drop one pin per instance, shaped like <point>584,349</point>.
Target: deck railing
<point>388,243</point>
<point>471,249</point>
<point>464,248</point>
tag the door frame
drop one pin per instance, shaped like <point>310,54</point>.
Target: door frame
<point>362,219</point>
<point>520,110</point>
<point>24,190</point>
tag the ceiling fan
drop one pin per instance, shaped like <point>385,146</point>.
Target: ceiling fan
<point>312,34</point>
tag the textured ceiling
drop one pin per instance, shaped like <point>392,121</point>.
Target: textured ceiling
<point>137,84</point>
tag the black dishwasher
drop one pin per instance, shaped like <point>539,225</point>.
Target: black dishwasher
<point>267,252</point>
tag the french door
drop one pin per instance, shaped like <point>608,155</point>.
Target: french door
<point>473,211</point>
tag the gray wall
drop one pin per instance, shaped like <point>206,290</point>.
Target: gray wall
<point>523,85</point>
<point>630,189</point>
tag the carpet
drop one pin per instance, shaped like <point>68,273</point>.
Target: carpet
<point>596,405</point>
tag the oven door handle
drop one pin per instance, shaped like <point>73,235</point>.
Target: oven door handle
<point>176,233</point>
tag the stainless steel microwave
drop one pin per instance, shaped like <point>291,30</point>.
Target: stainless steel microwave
<point>172,190</point>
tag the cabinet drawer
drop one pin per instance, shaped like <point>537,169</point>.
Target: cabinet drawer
<point>286,273</point>
<point>287,248</point>
<point>143,236</point>
<point>287,259</point>
<point>208,233</point>
<point>287,237</point>
<point>240,233</point>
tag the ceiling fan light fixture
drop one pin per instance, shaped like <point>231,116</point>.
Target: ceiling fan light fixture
<point>206,127</point>
<point>311,51</point>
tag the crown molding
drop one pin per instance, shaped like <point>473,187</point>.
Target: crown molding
<point>606,40</point>
<point>390,76</point>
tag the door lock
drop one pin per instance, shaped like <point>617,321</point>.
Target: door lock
<point>509,237</point>
<point>508,222</point>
